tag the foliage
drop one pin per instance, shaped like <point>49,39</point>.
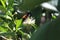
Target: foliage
<point>11,20</point>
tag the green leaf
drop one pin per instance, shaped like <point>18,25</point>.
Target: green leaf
<point>3,3</point>
<point>49,31</point>
<point>8,34</point>
<point>3,29</point>
<point>18,23</point>
<point>10,4</point>
<point>54,17</point>
<point>2,8</point>
<point>7,26</point>
<point>9,13</point>
<point>6,17</point>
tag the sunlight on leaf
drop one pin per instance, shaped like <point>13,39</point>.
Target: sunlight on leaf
<point>54,17</point>
<point>18,23</point>
<point>2,29</point>
<point>8,17</point>
<point>3,3</point>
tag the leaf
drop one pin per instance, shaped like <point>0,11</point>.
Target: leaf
<point>7,26</point>
<point>3,29</point>
<point>3,3</point>
<point>8,34</point>
<point>49,31</point>
<point>54,17</point>
<point>6,17</point>
<point>18,23</point>
<point>9,13</point>
<point>10,5</point>
<point>2,8</point>
<point>10,2</point>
